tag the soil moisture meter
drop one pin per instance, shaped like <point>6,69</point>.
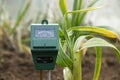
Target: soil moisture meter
<point>44,45</point>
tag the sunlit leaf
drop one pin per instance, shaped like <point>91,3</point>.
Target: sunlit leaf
<point>100,31</point>
<point>78,42</point>
<point>63,6</point>
<point>110,28</point>
<point>97,42</point>
<point>83,10</point>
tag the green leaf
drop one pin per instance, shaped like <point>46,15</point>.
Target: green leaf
<point>20,17</point>
<point>63,59</point>
<point>110,28</point>
<point>78,42</point>
<point>67,20</point>
<point>97,42</point>
<point>83,10</point>
<point>61,34</point>
<point>98,63</point>
<point>92,3</point>
<point>77,6</point>
<point>63,6</point>
<point>100,31</point>
<point>82,16</point>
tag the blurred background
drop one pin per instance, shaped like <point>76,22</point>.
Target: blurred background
<point>16,16</point>
<point>108,15</point>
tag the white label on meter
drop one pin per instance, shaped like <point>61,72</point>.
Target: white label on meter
<point>44,32</point>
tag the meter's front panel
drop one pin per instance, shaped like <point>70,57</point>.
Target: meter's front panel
<point>44,37</point>
<point>44,45</point>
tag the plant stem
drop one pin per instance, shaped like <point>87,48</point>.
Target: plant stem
<point>98,63</point>
<point>77,66</point>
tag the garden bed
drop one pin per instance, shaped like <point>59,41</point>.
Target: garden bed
<point>19,66</point>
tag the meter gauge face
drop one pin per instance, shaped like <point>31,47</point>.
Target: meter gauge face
<point>44,32</point>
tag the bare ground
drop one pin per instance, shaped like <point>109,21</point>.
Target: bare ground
<point>19,66</point>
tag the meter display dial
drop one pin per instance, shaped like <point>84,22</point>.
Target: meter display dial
<point>44,32</point>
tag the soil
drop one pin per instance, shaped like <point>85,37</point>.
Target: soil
<point>19,66</point>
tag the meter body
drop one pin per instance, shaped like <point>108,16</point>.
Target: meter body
<point>44,45</point>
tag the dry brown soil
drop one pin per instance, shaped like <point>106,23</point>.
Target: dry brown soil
<point>19,66</point>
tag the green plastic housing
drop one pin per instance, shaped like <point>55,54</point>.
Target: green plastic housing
<point>44,45</point>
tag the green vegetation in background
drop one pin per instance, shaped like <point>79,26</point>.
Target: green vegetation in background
<point>75,39</point>
<point>14,31</point>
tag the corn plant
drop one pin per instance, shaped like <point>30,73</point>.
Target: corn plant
<point>75,39</point>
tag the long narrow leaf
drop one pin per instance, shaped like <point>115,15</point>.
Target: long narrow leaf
<point>63,6</point>
<point>63,59</point>
<point>83,10</point>
<point>82,16</point>
<point>93,2</point>
<point>21,16</point>
<point>79,42</point>
<point>77,6</point>
<point>67,20</point>
<point>97,42</point>
<point>100,31</point>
